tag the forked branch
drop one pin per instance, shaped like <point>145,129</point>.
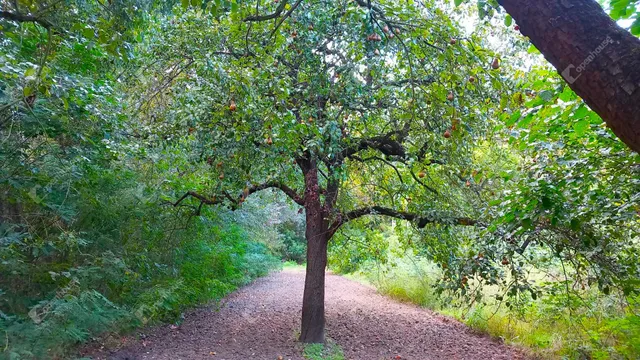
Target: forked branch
<point>236,201</point>
<point>273,15</point>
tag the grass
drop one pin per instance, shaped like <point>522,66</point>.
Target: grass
<point>545,328</point>
<point>293,265</point>
<point>328,351</point>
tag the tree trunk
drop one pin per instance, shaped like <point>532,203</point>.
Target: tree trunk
<point>317,235</point>
<point>313,298</point>
<point>599,60</point>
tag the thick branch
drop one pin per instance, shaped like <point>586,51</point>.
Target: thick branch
<point>277,185</point>
<point>274,15</point>
<point>237,201</point>
<point>420,222</point>
<point>384,144</point>
<point>25,18</point>
<point>597,58</point>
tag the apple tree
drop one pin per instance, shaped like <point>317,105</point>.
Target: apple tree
<point>350,110</point>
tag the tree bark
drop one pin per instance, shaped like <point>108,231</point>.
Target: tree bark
<point>599,60</point>
<point>317,235</point>
<point>313,299</point>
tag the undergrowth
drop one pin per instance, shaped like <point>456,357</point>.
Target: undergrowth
<point>594,327</point>
<point>328,351</point>
<point>117,259</point>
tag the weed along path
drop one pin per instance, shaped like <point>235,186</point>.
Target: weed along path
<point>262,321</point>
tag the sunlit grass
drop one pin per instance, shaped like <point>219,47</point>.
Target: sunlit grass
<point>328,351</point>
<point>292,265</point>
<point>603,331</point>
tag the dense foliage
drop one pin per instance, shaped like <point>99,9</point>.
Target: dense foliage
<point>86,243</point>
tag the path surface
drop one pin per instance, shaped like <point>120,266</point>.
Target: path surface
<point>262,321</point>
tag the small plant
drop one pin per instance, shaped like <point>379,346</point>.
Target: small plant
<point>328,351</point>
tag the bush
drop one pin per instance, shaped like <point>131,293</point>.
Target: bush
<point>120,259</point>
<point>294,245</point>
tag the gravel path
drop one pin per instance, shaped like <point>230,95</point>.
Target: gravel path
<point>262,321</point>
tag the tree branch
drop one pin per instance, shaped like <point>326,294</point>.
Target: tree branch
<point>420,222</point>
<point>26,18</point>
<point>274,15</point>
<point>382,160</point>
<point>384,143</point>
<point>236,202</point>
<point>425,81</point>
<point>203,199</point>
<point>291,10</point>
<point>277,185</point>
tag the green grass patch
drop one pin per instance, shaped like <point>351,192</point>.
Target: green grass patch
<point>293,265</point>
<point>328,351</point>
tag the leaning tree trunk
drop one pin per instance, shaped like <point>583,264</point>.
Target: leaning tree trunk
<point>317,235</point>
<point>599,60</point>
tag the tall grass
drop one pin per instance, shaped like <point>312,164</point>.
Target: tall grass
<point>597,326</point>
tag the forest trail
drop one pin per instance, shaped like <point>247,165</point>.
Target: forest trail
<point>262,320</point>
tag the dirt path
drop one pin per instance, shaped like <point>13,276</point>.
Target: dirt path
<point>262,321</point>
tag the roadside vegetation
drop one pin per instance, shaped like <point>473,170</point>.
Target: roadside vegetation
<point>581,323</point>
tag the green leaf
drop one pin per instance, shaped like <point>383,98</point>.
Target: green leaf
<point>88,33</point>
<point>30,72</point>
<point>27,91</point>
<point>546,95</point>
<point>581,127</point>
<point>635,27</point>
<point>458,2</point>
<point>575,224</point>
<point>508,20</point>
